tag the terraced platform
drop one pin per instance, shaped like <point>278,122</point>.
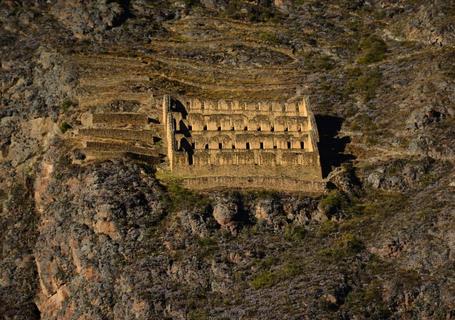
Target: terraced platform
<point>118,135</point>
<point>211,59</point>
<point>208,58</point>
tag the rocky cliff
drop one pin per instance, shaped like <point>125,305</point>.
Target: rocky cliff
<point>108,240</point>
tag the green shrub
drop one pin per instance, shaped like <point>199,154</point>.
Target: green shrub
<point>241,10</point>
<point>181,198</point>
<point>350,243</point>
<point>323,62</point>
<point>327,227</point>
<point>65,126</point>
<point>408,279</point>
<point>207,247</point>
<point>198,315</point>
<point>268,262</point>
<point>368,302</point>
<point>314,61</point>
<point>294,233</point>
<point>372,49</point>
<point>346,245</point>
<point>66,104</point>
<point>384,203</point>
<point>269,37</point>
<point>334,201</point>
<point>365,83</point>
<point>264,279</point>
<point>191,3</point>
<point>300,2</point>
<point>206,242</point>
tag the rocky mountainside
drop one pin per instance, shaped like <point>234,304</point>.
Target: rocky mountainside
<point>108,240</point>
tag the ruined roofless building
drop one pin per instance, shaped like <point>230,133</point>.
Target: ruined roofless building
<point>232,144</point>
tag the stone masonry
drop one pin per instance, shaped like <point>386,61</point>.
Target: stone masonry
<point>233,144</point>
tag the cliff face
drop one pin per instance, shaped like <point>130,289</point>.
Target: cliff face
<point>107,240</point>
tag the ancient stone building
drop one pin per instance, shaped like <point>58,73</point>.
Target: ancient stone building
<point>261,145</point>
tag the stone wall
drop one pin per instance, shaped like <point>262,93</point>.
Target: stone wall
<point>254,183</point>
<point>269,158</point>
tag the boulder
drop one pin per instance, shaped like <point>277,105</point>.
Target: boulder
<point>225,211</point>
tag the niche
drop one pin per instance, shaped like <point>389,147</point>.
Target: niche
<point>289,145</point>
<point>248,146</point>
<point>205,128</point>
<point>272,129</point>
<point>219,128</point>
<point>206,147</point>
<point>261,145</point>
<point>220,146</point>
<point>286,129</point>
<point>233,146</point>
<point>302,145</point>
<point>259,128</point>
<point>245,129</point>
<point>232,128</point>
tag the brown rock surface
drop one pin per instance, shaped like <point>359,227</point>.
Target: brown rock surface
<point>107,240</point>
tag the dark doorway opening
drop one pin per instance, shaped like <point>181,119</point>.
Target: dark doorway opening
<point>188,148</point>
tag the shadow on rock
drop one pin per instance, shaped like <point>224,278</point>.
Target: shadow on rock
<point>331,147</point>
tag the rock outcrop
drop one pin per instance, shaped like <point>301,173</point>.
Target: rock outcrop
<point>89,239</point>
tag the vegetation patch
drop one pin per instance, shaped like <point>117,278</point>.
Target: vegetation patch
<point>364,82</point>
<point>295,233</point>
<point>65,126</point>
<point>269,278</point>
<point>333,201</point>
<point>372,49</point>
<point>315,61</point>
<point>326,228</point>
<point>207,247</point>
<point>180,198</point>
<point>198,315</point>
<point>337,203</point>
<point>368,302</point>
<point>270,38</point>
<point>66,105</point>
<point>253,12</point>
<point>345,245</point>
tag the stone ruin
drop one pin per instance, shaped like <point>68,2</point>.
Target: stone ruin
<point>211,144</point>
<point>233,144</point>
